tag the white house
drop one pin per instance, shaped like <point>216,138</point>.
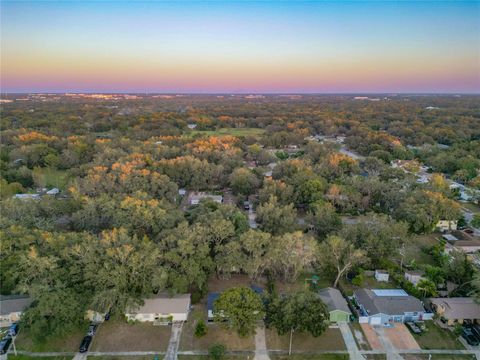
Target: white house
<point>54,191</point>
<point>414,276</point>
<point>447,225</point>
<point>195,199</point>
<point>381,275</point>
<point>12,307</point>
<point>27,196</point>
<point>162,309</point>
<point>387,306</point>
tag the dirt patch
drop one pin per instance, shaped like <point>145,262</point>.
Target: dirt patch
<point>372,337</point>
<point>401,338</point>
<point>118,335</point>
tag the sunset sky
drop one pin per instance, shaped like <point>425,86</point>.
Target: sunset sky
<point>212,47</point>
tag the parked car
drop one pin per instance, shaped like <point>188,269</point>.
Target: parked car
<point>92,329</point>
<point>107,316</point>
<point>85,344</point>
<point>246,205</point>
<point>475,330</point>
<point>413,328</point>
<point>13,329</point>
<point>5,344</point>
<point>471,339</point>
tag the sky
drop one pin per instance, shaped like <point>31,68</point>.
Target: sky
<point>240,47</point>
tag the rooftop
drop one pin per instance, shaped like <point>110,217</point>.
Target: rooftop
<point>164,304</point>
<point>388,301</point>
<point>13,303</point>
<point>333,299</point>
<point>458,307</point>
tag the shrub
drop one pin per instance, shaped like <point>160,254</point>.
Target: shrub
<point>217,351</point>
<point>200,329</point>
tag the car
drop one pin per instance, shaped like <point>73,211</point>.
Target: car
<point>246,205</point>
<point>5,344</point>
<point>13,329</point>
<point>85,344</point>
<point>475,328</point>
<point>107,316</point>
<point>471,339</point>
<point>92,329</point>
<point>413,327</point>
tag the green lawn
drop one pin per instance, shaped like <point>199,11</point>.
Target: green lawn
<point>310,357</point>
<point>416,250</point>
<point>49,178</point>
<point>26,357</point>
<point>64,343</point>
<point>471,206</point>
<point>255,132</point>
<point>331,339</point>
<point>437,338</point>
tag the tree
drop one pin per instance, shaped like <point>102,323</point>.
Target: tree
<point>276,219</point>
<point>243,181</point>
<point>239,309</point>
<point>476,221</point>
<point>324,218</point>
<point>256,245</point>
<point>291,254</point>
<point>427,287</point>
<point>339,255</point>
<point>302,311</point>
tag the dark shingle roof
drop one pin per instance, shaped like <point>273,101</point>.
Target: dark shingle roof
<point>333,299</point>
<point>13,303</point>
<point>390,305</point>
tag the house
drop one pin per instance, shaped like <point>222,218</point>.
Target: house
<point>336,304</point>
<point>195,199</point>
<point>446,225</point>
<point>414,276</point>
<point>53,191</point>
<point>467,246</point>
<point>381,275</point>
<point>27,196</point>
<point>161,309</point>
<point>192,126</point>
<point>386,306</point>
<point>449,237</point>
<point>12,307</point>
<point>456,309</point>
<point>210,302</point>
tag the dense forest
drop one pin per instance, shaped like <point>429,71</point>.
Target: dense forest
<point>317,170</point>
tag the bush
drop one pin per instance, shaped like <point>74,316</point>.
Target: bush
<point>358,280</point>
<point>217,351</point>
<point>200,329</point>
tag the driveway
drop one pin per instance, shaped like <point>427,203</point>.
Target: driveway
<point>261,352</point>
<point>174,341</point>
<point>350,341</point>
<point>401,338</point>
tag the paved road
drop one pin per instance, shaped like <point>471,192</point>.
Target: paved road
<point>261,352</point>
<point>350,343</point>
<point>80,356</point>
<point>252,216</point>
<point>174,341</point>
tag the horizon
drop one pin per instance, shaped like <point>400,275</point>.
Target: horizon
<point>241,47</point>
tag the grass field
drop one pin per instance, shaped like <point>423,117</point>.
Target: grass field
<point>255,132</point>
<point>331,339</point>
<point>310,357</point>
<point>215,334</point>
<point>26,357</point>
<point>118,335</point>
<point>49,178</point>
<point>437,338</point>
<point>65,343</point>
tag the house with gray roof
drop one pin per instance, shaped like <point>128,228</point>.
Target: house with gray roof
<point>386,306</point>
<point>161,309</point>
<point>336,304</point>
<point>456,309</point>
<point>12,308</point>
